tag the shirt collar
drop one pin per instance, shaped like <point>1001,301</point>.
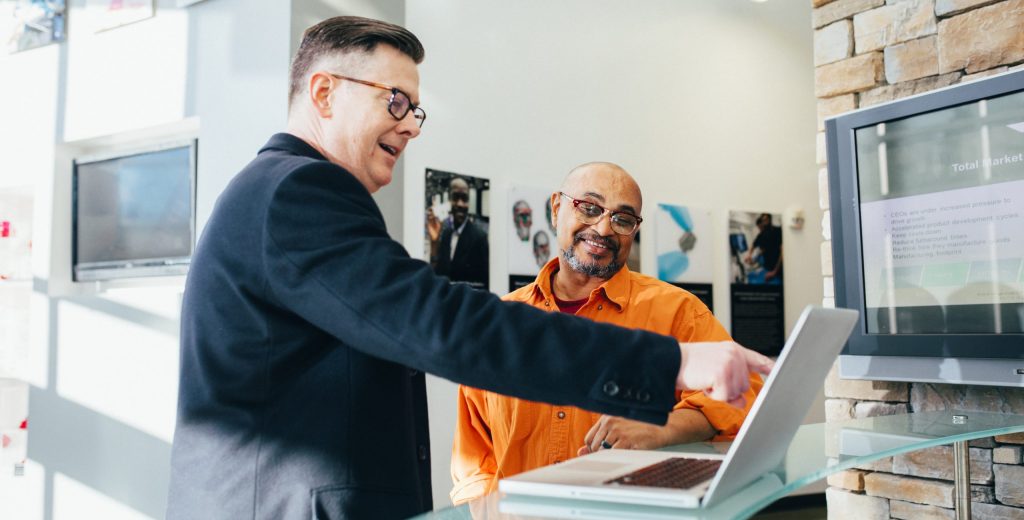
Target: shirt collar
<point>458,230</point>
<point>616,289</point>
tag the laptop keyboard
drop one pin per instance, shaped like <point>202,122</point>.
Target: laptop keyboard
<point>676,473</point>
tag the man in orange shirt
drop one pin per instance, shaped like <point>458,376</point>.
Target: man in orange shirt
<point>596,215</point>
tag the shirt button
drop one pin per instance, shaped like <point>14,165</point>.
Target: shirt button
<point>422,452</point>
<point>611,388</point>
<point>547,303</point>
<point>561,415</point>
<point>599,307</point>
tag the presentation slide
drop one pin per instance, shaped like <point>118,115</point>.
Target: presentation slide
<point>957,247</point>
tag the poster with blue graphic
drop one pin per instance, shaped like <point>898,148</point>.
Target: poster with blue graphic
<point>683,247</point>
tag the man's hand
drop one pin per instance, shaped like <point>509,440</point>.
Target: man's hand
<point>684,425</point>
<point>616,432</point>
<point>433,225</point>
<point>722,369</point>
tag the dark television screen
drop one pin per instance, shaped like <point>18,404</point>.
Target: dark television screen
<point>133,214</point>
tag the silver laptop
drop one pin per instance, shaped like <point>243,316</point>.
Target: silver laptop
<point>667,479</point>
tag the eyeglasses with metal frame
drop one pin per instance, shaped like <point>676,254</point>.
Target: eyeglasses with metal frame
<point>399,104</point>
<point>589,213</point>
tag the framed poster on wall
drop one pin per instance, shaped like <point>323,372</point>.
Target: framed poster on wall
<point>531,234</point>
<point>756,290</point>
<point>682,241</point>
<point>111,14</point>
<point>35,24</point>
<point>457,225</point>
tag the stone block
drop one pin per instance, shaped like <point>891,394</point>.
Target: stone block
<point>937,463</point>
<point>863,390</point>
<point>866,409</point>
<point>842,505</point>
<point>838,409</point>
<point>911,511</point>
<point>851,479</point>
<point>833,42</point>
<point>878,465</point>
<point>984,494</point>
<point>850,75</point>
<point>823,194</point>
<point>826,225</point>
<point>826,258</point>
<point>908,88</point>
<point>996,512</point>
<point>819,3</point>
<point>909,489</point>
<point>871,29</point>
<point>840,9</point>
<point>930,397</point>
<point>893,23</point>
<point>832,106</point>
<point>944,8</point>
<point>911,60</point>
<point>985,442</point>
<point>1009,484</point>
<point>1011,438</point>
<point>1006,455</point>
<point>984,74</point>
<point>983,38</point>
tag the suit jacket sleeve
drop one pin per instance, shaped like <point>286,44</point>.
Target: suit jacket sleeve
<point>336,266</point>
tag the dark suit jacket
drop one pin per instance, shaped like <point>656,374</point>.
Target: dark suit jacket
<point>470,262</point>
<point>305,332</point>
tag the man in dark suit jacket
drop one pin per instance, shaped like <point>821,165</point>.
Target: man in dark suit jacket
<point>306,329</point>
<point>469,262</point>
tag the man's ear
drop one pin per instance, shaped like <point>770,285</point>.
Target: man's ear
<point>320,84</point>
<point>556,202</point>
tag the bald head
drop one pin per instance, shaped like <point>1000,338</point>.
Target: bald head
<point>609,179</point>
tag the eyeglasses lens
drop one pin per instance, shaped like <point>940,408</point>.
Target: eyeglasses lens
<point>400,106</point>
<point>621,223</point>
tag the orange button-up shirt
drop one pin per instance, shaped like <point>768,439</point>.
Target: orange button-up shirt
<point>499,436</point>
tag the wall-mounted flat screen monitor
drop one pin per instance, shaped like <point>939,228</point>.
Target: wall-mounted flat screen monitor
<point>133,213</point>
<point>927,204</point>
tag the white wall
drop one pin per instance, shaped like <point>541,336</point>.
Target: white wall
<point>706,103</point>
<point>104,365</point>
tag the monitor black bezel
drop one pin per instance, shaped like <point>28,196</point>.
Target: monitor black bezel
<point>845,215</point>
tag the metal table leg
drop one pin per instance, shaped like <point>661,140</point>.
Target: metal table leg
<point>962,480</point>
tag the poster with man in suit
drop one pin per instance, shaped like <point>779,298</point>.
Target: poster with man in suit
<point>456,227</point>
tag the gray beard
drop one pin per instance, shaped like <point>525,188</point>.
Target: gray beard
<point>589,268</point>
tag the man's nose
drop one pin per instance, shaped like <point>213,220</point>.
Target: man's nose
<point>409,126</point>
<point>603,226</point>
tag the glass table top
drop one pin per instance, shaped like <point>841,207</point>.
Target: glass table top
<point>817,450</point>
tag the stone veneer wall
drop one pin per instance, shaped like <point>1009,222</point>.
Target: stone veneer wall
<point>868,52</point>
